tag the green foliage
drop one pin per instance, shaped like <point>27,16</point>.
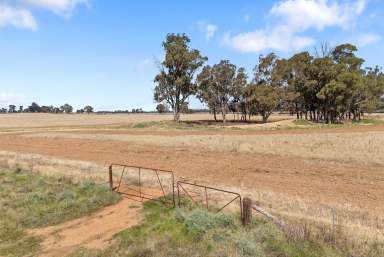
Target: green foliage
<point>88,109</point>
<point>66,108</point>
<point>330,87</point>
<point>220,86</point>
<point>28,200</point>
<point>161,108</point>
<point>264,99</point>
<point>175,82</point>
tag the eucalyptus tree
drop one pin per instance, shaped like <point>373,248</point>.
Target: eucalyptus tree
<point>265,92</point>
<point>66,108</point>
<point>297,97</point>
<point>224,75</point>
<point>88,109</point>
<point>207,90</point>
<point>12,108</point>
<point>221,85</point>
<point>176,79</point>
<point>373,89</point>
<point>239,102</point>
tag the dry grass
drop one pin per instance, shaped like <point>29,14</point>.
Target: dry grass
<point>24,121</point>
<point>367,147</point>
<point>37,120</point>
<point>74,170</point>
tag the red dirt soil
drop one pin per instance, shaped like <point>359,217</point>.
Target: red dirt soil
<point>358,185</point>
<point>94,231</point>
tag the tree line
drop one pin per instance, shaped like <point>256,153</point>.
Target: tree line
<point>330,86</point>
<point>66,108</point>
<point>35,108</point>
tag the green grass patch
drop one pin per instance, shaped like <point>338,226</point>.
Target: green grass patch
<point>171,125</point>
<point>29,200</point>
<point>195,232</point>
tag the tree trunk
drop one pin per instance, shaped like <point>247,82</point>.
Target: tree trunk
<point>223,111</point>
<point>214,114</point>
<point>176,116</point>
<point>297,111</point>
<point>176,112</point>
<point>265,117</point>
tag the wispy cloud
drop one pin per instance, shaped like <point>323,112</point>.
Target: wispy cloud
<point>367,39</point>
<point>19,13</point>
<point>208,29</point>
<point>60,7</point>
<point>280,38</point>
<point>288,19</point>
<point>16,17</point>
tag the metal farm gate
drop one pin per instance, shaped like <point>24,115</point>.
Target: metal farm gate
<point>139,183</point>
<point>213,199</point>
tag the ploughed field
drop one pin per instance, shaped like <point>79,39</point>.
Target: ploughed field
<point>292,168</point>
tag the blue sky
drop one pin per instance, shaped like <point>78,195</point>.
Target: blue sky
<point>102,52</point>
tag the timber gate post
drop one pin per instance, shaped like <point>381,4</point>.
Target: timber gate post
<point>110,178</point>
<point>247,211</point>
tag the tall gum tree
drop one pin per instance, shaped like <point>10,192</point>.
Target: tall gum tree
<point>220,85</point>
<point>267,87</point>
<point>176,79</point>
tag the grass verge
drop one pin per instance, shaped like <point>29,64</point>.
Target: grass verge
<point>196,232</point>
<point>29,200</point>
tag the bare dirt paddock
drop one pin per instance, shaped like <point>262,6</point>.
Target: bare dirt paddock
<point>311,172</point>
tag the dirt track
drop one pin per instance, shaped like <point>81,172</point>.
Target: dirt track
<point>95,231</point>
<point>352,183</point>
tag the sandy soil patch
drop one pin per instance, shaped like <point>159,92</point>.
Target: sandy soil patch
<point>94,231</point>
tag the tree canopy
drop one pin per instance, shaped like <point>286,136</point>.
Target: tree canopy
<point>176,79</point>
